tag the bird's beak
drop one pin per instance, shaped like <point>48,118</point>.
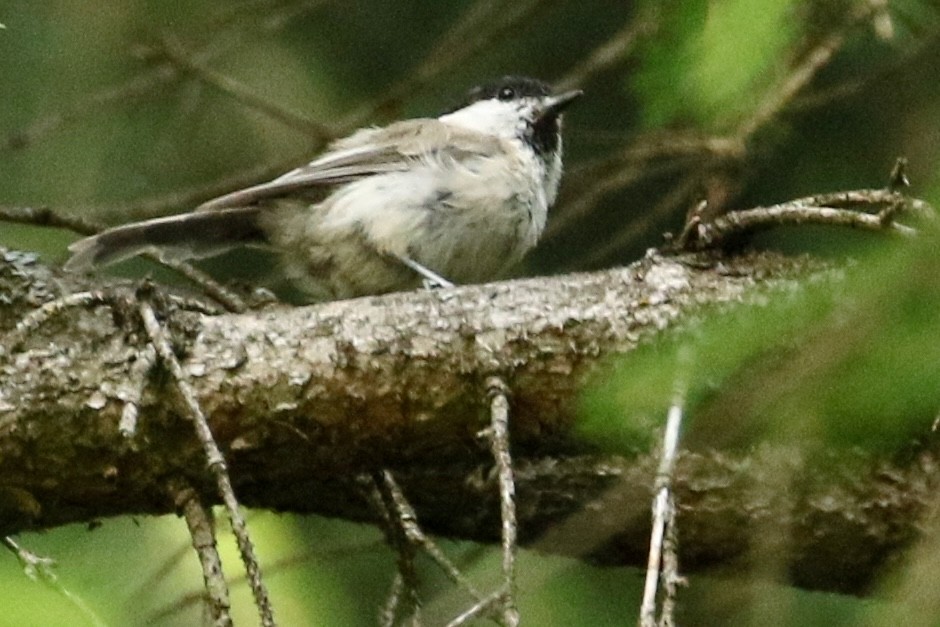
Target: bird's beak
<point>553,105</point>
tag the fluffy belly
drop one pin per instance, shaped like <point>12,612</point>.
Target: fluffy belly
<point>348,245</point>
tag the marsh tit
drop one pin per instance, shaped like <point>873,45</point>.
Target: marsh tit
<point>455,198</point>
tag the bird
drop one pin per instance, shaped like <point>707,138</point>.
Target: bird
<point>435,201</point>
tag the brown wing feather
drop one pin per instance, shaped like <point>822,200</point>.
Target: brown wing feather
<point>233,219</point>
<point>393,148</point>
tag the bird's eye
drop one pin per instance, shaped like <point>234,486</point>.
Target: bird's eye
<point>507,93</point>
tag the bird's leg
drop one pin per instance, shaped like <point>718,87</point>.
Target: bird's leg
<point>432,279</point>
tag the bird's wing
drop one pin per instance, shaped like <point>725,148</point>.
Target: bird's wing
<point>393,148</point>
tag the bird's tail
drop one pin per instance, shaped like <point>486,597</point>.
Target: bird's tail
<point>185,236</point>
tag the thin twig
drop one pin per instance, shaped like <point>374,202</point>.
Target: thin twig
<point>666,205</point>
<point>394,507</point>
<point>484,607</point>
<point>498,435</point>
<point>797,80</point>
<point>663,509</point>
<point>898,180</point>
<point>214,459</point>
<point>155,77</point>
<point>215,290</point>
<point>42,314</point>
<point>44,216</point>
<point>40,569</point>
<point>202,531</point>
<point>864,198</point>
<point>692,220</point>
<point>648,157</point>
<point>670,568</point>
<point>388,613</point>
<point>194,305</point>
<point>167,613</point>
<point>806,211</point>
<point>177,54</point>
<point>408,519</point>
<point>477,30</point>
<point>613,51</point>
<point>405,585</point>
<point>136,382</point>
<point>501,603</point>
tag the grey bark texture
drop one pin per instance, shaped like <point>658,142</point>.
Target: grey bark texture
<point>305,400</point>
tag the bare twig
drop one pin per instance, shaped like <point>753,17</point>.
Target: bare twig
<point>134,390</point>
<point>194,305</point>
<point>633,165</point>
<point>645,159</point>
<point>498,435</point>
<point>44,216</point>
<point>501,603</point>
<point>42,314</point>
<point>40,569</point>
<point>798,79</point>
<point>670,569</point>
<point>388,613</point>
<point>399,515</point>
<point>405,585</point>
<point>663,516</point>
<point>214,459</point>
<point>838,209</point>
<point>897,180</point>
<point>212,288</point>
<point>166,614</point>
<point>677,196</point>
<point>692,221</point>
<point>408,519</point>
<point>484,607</point>
<point>481,25</point>
<point>240,26</point>
<point>176,53</point>
<point>202,531</point>
<point>611,52</point>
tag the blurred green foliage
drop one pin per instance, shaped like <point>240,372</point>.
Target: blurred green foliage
<point>709,59</point>
<point>95,120</point>
<point>830,368</point>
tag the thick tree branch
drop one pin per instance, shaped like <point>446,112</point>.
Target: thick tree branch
<point>302,400</point>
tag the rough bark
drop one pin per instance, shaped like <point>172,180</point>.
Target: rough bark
<point>305,399</point>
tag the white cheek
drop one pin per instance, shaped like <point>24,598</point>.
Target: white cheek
<point>492,117</point>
